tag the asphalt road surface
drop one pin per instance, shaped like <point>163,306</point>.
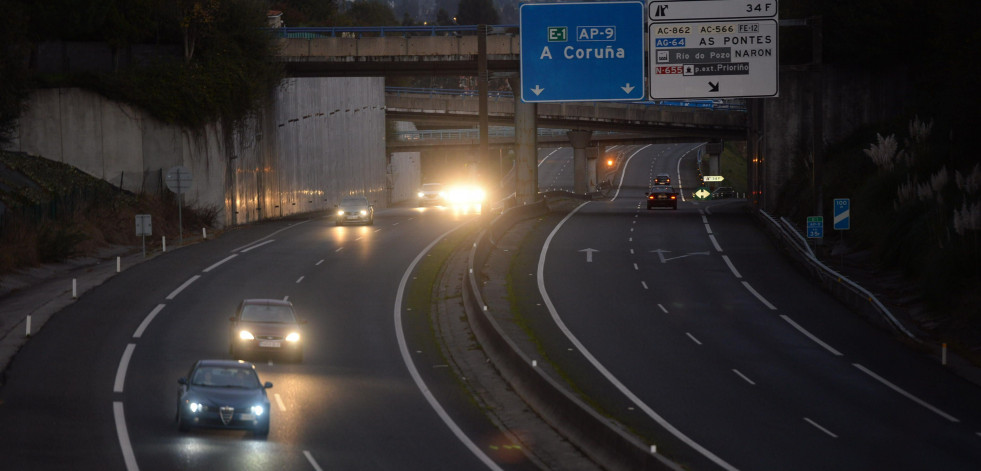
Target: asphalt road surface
<point>97,387</point>
<point>690,327</point>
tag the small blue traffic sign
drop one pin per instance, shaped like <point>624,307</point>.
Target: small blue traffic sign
<point>843,216</point>
<point>582,51</point>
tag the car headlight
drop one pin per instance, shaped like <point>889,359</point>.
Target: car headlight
<point>246,335</point>
<point>340,212</point>
<point>195,407</point>
<point>257,410</point>
<point>421,194</point>
<point>364,212</point>
<point>293,337</point>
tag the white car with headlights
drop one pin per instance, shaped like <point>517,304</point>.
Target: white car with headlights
<point>431,194</point>
<point>266,326</point>
<point>465,196</point>
<point>355,209</point>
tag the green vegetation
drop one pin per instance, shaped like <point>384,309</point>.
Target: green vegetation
<point>916,207</point>
<point>53,211</point>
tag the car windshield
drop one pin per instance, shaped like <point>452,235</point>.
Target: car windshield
<point>662,189</point>
<point>431,187</point>
<point>267,313</point>
<point>225,377</point>
<point>354,202</point>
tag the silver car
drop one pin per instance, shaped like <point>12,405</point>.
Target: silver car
<point>355,209</point>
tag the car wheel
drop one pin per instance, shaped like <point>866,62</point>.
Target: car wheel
<point>182,424</point>
<point>261,429</point>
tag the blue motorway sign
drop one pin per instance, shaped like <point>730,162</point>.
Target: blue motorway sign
<point>582,51</point>
<point>843,214</point>
<point>815,227</point>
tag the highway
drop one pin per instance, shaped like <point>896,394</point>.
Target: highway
<point>96,388</point>
<point>692,329</point>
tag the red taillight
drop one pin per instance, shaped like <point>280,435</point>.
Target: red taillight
<point>674,197</point>
<point>650,197</point>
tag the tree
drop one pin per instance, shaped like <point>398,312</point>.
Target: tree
<point>197,20</point>
<point>371,13</point>
<point>477,12</point>
<point>15,83</point>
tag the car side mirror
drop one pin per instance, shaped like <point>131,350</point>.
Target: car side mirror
<point>182,380</point>
<point>267,385</point>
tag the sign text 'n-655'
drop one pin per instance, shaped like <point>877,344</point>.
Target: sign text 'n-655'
<point>582,51</point>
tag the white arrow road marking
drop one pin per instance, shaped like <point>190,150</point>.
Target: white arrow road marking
<point>627,88</point>
<point>589,254</point>
<point>661,252</point>
<point>538,90</point>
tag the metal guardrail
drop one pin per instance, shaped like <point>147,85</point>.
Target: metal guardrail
<point>593,433</point>
<point>313,32</point>
<point>829,277</point>
<point>722,105</point>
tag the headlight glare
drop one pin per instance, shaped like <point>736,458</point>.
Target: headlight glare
<point>340,212</point>
<point>364,212</point>
<point>195,407</point>
<point>257,410</point>
<point>421,194</point>
<point>246,335</point>
<point>293,337</point>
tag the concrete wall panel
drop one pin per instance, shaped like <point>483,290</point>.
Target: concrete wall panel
<point>122,145</point>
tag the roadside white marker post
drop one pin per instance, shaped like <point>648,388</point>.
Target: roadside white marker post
<point>943,354</point>
<point>74,288</point>
<point>28,325</point>
<point>204,233</point>
<point>164,243</point>
<point>118,264</point>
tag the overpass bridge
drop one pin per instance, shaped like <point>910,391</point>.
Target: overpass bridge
<point>489,52</point>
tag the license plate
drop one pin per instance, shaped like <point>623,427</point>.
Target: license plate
<point>247,417</point>
<point>270,343</point>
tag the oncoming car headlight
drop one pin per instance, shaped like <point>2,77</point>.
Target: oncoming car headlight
<point>364,212</point>
<point>421,194</point>
<point>293,337</point>
<point>246,335</point>
<point>195,407</point>
<point>340,212</point>
<point>257,410</point>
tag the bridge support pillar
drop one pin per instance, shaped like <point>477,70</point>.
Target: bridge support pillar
<point>592,155</point>
<point>579,140</point>
<point>525,147</point>
<point>713,150</point>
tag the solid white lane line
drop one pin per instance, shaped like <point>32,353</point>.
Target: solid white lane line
<point>298,280</point>
<point>644,284</point>
<point>811,336</point>
<point>270,235</point>
<point>731,266</point>
<point>318,263</point>
<point>904,393</point>
<point>312,461</point>
<point>117,386</point>
<point>180,288</point>
<point>129,458</point>
<point>206,270</point>
<point>759,296</point>
<point>692,337</point>
<point>599,366</point>
<point>820,427</point>
<point>662,308</point>
<point>623,171</point>
<point>743,377</point>
<point>414,372</point>
<point>715,243</point>
<point>258,245</point>
<point>708,228</point>
<point>279,402</point>
<point>704,219</point>
<point>147,320</point>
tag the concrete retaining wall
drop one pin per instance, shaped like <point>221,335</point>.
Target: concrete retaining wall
<point>321,139</point>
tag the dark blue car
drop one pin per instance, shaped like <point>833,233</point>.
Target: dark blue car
<point>223,394</point>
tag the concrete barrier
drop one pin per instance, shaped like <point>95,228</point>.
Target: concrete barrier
<point>600,438</point>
